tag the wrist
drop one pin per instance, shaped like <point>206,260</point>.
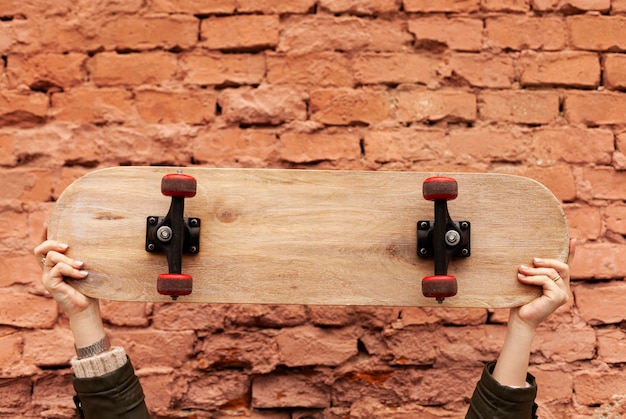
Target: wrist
<point>87,327</point>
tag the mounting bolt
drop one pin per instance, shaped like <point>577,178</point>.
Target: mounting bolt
<point>152,220</point>
<point>453,237</point>
<point>164,233</point>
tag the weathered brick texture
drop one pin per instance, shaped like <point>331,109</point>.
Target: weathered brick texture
<point>528,87</point>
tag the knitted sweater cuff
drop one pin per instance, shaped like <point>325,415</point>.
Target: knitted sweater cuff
<point>100,364</point>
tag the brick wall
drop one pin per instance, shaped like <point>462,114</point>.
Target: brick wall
<point>528,87</point>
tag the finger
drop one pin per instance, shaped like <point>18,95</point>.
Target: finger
<point>562,268</point>
<point>63,270</point>
<point>54,258</point>
<point>42,250</point>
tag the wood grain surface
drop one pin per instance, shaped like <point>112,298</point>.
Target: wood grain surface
<point>277,236</point>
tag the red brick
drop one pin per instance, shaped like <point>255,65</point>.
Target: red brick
<point>324,69</point>
<point>307,346</point>
<point>564,344</point>
<point>349,106</point>
<point>275,6</point>
<point>92,105</point>
<point>600,261</point>
<point>467,345</point>
<point>258,352</point>
<point>216,390</point>
<point>394,68</point>
<point>26,184</point>
<point>46,391</point>
<point>615,71</point>
<point>264,105</point>
<point>189,317</point>
<point>158,389</point>
<point>148,32</point>
<point>268,316</point>
<point>111,69</point>
<point>597,33</point>
<point>428,105</point>
<point>19,36</point>
<point>462,34</point>
<point>559,179</point>
<point>223,69</point>
<point>44,71</point>
<point>301,34</point>
<point>507,5</point>
<point>585,222</point>
<point>279,391</point>
<point>595,108</point>
<point>595,387</point>
<point>303,148</point>
<point>240,32</point>
<point>495,71</point>
<point>522,107</point>
<point>15,393</point>
<point>41,312</point>
<point>572,145</point>
<point>161,106</point>
<point>11,348</point>
<point>404,144</point>
<point>615,218</point>
<point>234,147</point>
<point>21,269</point>
<point>605,182</point>
<point>537,33</point>
<point>600,303</point>
<point>367,7</point>
<point>23,109</point>
<point>451,6</point>
<point>125,313</point>
<point>334,316</point>
<point>194,7</point>
<point>618,6</point>
<point>8,145</point>
<point>555,383</point>
<point>611,345</point>
<point>54,347</point>
<point>569,5</point>
<point>571,69</point>
<point>487,145</point>
<point>152,348</point>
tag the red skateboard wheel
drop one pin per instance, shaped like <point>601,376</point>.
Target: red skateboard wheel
<point>174,285</point>
<point>179,185</point>
<point>438,188</point>
<point>439,286</point>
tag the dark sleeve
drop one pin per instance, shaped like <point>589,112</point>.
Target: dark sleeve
<point>114,395</point>
<point>491,400</point>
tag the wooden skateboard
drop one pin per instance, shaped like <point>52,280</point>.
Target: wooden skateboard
<point>275,236</point>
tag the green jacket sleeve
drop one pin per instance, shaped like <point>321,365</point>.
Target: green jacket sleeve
<point>117,395</point>
<point>491,400</point>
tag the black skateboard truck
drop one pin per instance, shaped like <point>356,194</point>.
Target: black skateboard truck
<point>441,239</point>
<point>174,235</point>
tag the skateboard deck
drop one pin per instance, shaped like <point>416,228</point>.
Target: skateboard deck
<point>279,236</point>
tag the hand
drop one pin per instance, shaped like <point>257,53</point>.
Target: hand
<point>554,277</point>
<point>83,311</point>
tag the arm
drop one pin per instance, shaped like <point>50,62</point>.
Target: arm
<point>507,385</point>
<point>101,373</point>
